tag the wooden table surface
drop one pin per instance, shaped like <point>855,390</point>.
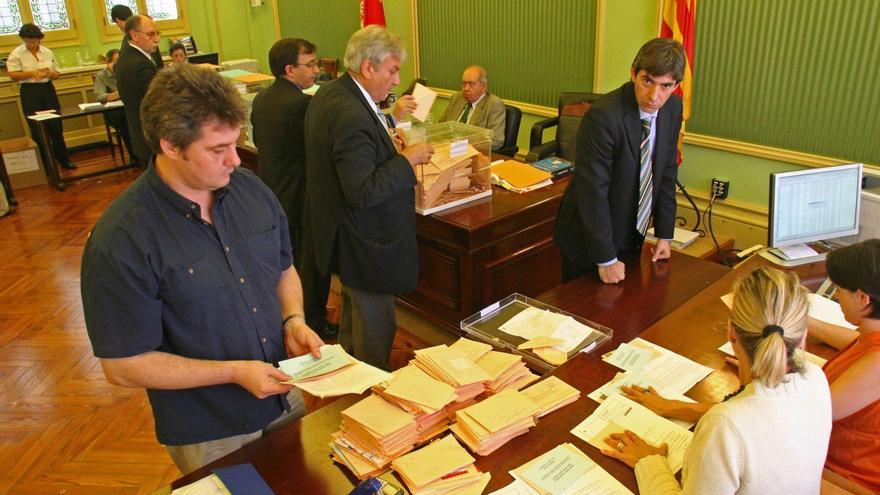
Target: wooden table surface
<point>675,304</point>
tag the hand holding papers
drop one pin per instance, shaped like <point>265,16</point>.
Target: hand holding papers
<point>617,414</point>
<point>565,470</point>
<point>334,373</point>
<point>424,98</point>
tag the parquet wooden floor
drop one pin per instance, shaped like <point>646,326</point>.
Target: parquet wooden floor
<point>63,428</point>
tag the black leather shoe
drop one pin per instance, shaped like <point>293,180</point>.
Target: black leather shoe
<point>69,165</point>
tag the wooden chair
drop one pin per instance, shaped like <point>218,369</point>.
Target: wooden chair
<point>329,68</point>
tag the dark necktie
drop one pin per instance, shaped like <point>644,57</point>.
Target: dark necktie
<point>646,186</point>
<point>464,115</point>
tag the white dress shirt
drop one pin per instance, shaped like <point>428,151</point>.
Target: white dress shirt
<point>22,60</point>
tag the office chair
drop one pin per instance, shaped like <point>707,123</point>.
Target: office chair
<point>571,110</point>
<point>329,68</point>
<point>512,119</point>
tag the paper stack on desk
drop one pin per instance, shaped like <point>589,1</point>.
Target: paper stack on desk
<point>455,368</point>
<point>373,433</point>
<point>519,177</point>
<point>566,470</point>
<point>412,390</point>
<point>671,374</point>
<point>471,348</point>
<point>617,413</point>
<point>489,424</point>
<point>551,394</point>
<point>533,323</point>
<point>506,371</point>
<point>334,373</point>
<point>439,468</point>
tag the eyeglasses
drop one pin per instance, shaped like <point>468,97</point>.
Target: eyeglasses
<point>310,65</point>
<point>151,34</point>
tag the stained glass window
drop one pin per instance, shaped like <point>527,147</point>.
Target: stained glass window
<point>10,17</point>
<point>50,15</point>
<point>162,10</point>
<point>108,4</point>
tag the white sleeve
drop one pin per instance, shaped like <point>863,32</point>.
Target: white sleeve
<point>715,459</point>
<point>13,63</point>
<point>654,476</point>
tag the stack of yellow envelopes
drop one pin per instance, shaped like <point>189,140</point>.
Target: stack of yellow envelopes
<point>412,390</point>
<point>506,371</point>
<point>487,425</point>
<point>551,394</point>
<point>455,368</point>
<point>373,433</point>
<point>442,467</point>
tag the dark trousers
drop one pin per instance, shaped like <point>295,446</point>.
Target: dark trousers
<point>41,96</point>
<point>315,286</point>
<point>368,325</point>
<point>116,119</point>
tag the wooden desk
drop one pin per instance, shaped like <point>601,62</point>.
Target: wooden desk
<point>296,459</point>
<point>49,165</point>
<point>476,254</point>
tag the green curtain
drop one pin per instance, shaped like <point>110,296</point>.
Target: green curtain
<point>532,49</point>
<point>802,75</point>
<point>326,23</point>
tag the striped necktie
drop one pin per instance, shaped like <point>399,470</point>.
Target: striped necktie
<point>465,114</point>
<point>646,186</point>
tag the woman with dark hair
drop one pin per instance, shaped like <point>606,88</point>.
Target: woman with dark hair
<point>177,52</point>
<point>33,67</point>
<point>770,436</point>
<point>854,451</point>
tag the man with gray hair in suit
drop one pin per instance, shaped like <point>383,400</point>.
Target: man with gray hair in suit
<point>475,105</point>
<point>360,197</point>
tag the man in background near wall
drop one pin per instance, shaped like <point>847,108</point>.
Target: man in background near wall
<point>134,72</point>
<point>360,193</point>
<point>475,105</point>
<point>278,117</point>
<point>119,14</point>
<point>625,170</point>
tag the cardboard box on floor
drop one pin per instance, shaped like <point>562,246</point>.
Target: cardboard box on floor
<point>23,162</point>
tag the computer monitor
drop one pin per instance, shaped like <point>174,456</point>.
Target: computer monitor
<point>812,205</point>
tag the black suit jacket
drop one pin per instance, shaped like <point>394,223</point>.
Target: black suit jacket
<point>278,117</point>
<point>157,55</point>
<point>134,72</point>
<point>361,201</point>
<point>597,217</point>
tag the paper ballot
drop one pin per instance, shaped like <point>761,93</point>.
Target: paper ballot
<point>307,366</point>
<point>424,99</point>
<point>564,470</point>
<point>672,373</point>
<point>618,413</point>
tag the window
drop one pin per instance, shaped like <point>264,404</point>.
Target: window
<point>170,16</point>
<point>57,19</point>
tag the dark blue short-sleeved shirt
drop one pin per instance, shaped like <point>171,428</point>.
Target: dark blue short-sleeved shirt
<point>155,277</point>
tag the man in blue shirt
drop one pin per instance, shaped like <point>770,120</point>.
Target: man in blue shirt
<point>187,279</point>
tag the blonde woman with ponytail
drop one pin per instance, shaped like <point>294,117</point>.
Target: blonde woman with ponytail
<point>772,434</point>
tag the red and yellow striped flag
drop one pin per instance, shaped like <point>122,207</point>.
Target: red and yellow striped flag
<point>678,24</point>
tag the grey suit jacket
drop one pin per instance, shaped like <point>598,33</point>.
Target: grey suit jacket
<point>489,114</point>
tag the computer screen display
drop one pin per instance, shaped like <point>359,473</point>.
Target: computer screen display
<point>814,205</point>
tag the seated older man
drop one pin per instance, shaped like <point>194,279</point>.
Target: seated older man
<point>474,105</point>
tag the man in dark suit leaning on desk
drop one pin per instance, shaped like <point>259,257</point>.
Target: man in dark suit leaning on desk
<point>360,197</point>
<point>278,117</point>
<point>475,105</point>
<point>625,169</point>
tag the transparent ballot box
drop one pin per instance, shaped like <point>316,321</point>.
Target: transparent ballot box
<point>459,169</point>
<point>517,320</point>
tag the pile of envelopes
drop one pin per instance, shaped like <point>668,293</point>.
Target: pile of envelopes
<point>507,371</point>
<point>452,366</point>
<point>492,422</point>
<point>551,394</point>
<point>373,433</point>
<point>442,466</point>
<point>426,398</point>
